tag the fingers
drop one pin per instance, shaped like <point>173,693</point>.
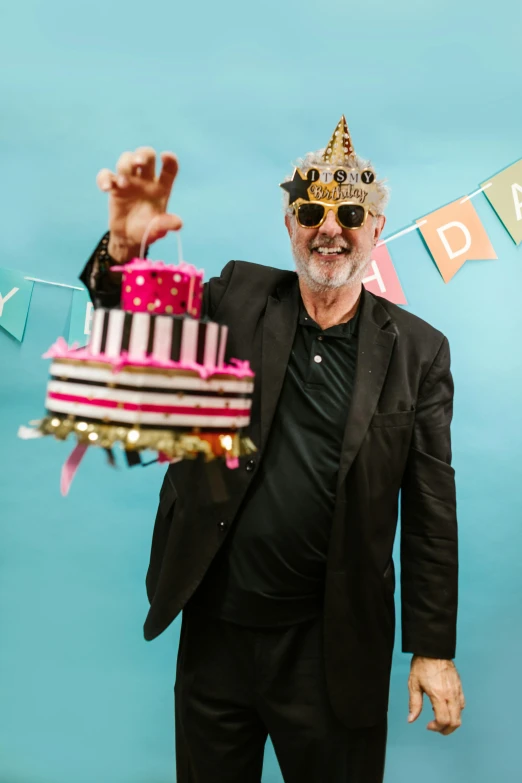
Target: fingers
<point>105,180</point>
<point>442,715</point>
<point>141,163</point>
<point>415,701</point>
<point>162,224</point>
<point>134,167</point>
<point>169,170</point>
<point>145,162</point>
<point>454,714</point>
<point>125,168</point>
<point>447,716</point>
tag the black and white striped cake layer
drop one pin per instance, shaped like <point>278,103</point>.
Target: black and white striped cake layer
<point>162,337</point>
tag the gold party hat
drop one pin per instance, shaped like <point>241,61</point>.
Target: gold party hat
<point>339,148</point>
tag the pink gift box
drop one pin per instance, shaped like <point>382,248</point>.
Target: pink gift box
<point>159,288</point>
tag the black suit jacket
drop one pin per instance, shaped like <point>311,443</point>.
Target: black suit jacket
<point>396,443</point>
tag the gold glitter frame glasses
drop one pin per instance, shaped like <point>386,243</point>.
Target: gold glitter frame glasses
<point>352,216</point>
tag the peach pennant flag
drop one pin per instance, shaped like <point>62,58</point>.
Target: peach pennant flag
<point>382,278</point>
<point>454,234</point>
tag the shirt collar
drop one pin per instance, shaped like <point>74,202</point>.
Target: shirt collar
<point>348,329</point>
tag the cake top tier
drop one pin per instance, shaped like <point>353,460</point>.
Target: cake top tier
<point>156,287</point>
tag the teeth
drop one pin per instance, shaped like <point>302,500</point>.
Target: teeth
<point>327,251</point>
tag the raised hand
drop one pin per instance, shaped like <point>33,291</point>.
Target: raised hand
<point>136,197</point>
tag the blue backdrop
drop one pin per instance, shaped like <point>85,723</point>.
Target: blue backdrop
<point>432,94</point>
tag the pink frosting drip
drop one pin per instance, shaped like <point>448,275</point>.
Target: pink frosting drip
<point>144,265</point>
<point>60,350</point>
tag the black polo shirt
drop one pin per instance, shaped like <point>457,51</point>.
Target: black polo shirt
<point>271,569</point>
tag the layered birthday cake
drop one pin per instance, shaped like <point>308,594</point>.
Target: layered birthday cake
<point>153,375</point>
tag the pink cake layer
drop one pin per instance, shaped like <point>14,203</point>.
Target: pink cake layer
<point>60,350</point>
<point>156,287</point>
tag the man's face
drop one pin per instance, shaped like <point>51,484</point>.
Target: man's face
<point>332,256</point>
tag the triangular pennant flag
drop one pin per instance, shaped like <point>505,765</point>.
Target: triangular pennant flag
<point>15,298</point>
<point>504,192</point>
<point>454,235</point>
<point>382,278</point>
<point>81,318</point>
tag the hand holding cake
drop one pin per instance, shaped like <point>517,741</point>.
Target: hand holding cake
<point>138,200</point>
<point>153,375</point>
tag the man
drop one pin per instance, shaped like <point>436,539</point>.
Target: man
<point>284,566</point>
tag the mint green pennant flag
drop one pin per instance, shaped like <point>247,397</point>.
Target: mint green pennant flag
<point>81,318</point>
<point>15,298</point>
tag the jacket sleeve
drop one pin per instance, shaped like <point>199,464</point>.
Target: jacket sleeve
<point>214,290</point>
<point>429,545</point>
<point>105,291</point>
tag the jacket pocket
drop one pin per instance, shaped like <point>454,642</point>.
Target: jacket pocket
<point>395,419</point>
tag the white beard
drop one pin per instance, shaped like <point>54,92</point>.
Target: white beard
<point>323,275</point>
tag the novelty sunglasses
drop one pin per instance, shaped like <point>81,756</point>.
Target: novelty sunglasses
<point>312,214</point>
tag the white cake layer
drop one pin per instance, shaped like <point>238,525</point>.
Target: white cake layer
<point>145,398</point>
<point>87,372</point>
<point>118,416</point>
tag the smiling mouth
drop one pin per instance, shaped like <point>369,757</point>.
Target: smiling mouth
<point>330,251</point>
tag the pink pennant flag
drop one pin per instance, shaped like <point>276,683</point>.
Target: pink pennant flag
<point>382,278</point>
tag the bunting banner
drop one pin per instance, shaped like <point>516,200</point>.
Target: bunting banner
<point>504,192</point>
<point>382,278</point>
<point>454,234</point>
<point>15,298</point>
<point>81,318</point>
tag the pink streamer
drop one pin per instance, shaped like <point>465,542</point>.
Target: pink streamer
<point>70,467</point>
<point>60,350</point>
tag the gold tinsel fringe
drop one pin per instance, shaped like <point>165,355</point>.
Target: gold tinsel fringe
<point>174,445</point>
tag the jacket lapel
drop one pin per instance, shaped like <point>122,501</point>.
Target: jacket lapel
<point>279,325</point>
<point>375,346</point>
<point>374,350</point>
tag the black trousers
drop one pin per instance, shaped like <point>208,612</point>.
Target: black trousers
<point>235,686</point>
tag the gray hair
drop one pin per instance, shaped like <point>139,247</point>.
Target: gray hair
<point>312,159</point>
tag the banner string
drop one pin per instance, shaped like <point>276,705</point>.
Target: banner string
<point>48,282</point>
<point>400,233</point>
<point>180,251</point>
<point>476,192</point>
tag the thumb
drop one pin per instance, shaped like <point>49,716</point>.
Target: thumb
<point>415,702</point>
<point>161,225</point>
